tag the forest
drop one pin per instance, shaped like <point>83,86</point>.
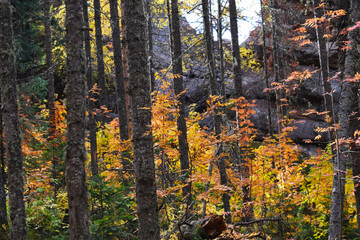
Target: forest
<point>121,120</point>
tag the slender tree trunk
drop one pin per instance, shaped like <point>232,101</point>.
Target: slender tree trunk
<point>125,64</point>
<point>9,109</point>
<point>245,171</point>
<point>144,165</point>
<point>214,91</point>
<point>266,74</point>
<point>348,105</point>
<point>221,50</point>
<point>276,48</point>
<point>179,88</point>
<point>323,59</point>
<point>119,76</point>
<point>150,43</point>
<point>90,85</point>
<point>75,139</point>
<point>338,189</point>
<point>3,210</point>
<point>99,52</point>
<point>235,49</point>
<point>51,88</point>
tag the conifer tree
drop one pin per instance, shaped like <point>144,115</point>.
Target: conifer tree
<point>90,85</point>
<point>119,79</point>
<point>99,52</point>
<point>75,175</point>
<point>144,165</point>
<point>12,135</point>
<point>179,88</point>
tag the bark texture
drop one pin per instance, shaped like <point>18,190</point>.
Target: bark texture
<point>3,210</point>
<point>339,163</point>
<point>90,84</point>
<point>178,89</point>
<point>139,87</point>
<point>235,49</point>
<point>119,80</point>
<point>348,105</point>
<point>9,109</point>
<point>76,106</point>
<point>99,52</point>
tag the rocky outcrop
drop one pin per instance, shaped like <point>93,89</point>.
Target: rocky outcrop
<point>308,93</point>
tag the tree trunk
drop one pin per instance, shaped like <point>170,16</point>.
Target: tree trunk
<point>276,49</point>
<point>3,210</point>
<point>179,88</point>
<point>75,139</point>
<point>139,88</point>
<point>11,124</point>
<point>323,59</point>
<point>235,49</point>
<point>221,50</point>
<point>99,52</point>
<point>125,64</point>
<point>91,95</point>
<point>51,88</point>
<point>266,74</point>
<point>120,82</point>
<point>150,43</point>
<point>348,105</point>
<point>338,189</point>
<point>214,91</point>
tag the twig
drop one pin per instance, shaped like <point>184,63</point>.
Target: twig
<point>257,221</point>
<point>179,222</point>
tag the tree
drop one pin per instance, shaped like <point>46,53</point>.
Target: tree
<point>76,103</point>
<point>347,121</point>
<point>3,210</point>
<point>235,49</point>
<point>99,52</point>
<point>9,109</point>
<point>91,94</point>
<point>51,86</point>
<point>120,81</point>
<point>214,91</point>
<point>179,88</point>
<point>144,165</point>
<point>266,75</point>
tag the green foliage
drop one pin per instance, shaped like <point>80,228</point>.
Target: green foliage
<point>46,217</point>
<point>113,214</point>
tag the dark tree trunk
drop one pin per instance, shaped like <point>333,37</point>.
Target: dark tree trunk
<point>235,49</point>
<point>3,210</point>
<point>90,84</point>
<point>125,64</point>
<point>347,106</point>
<point>214,91</point>
<point>99,52</point>
<point>338,189</point>
<point>139,87</point>
<point>179,88</point>
<point>51,88</point>
<point>76,121</point>
<point>11,124</point>
<point>120,82</point>
<point>150,43</point>
<point>275,51</point>
<point>266,74</point>
<point>221,50</point>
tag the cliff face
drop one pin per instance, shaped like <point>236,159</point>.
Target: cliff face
<point>308,93</point>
